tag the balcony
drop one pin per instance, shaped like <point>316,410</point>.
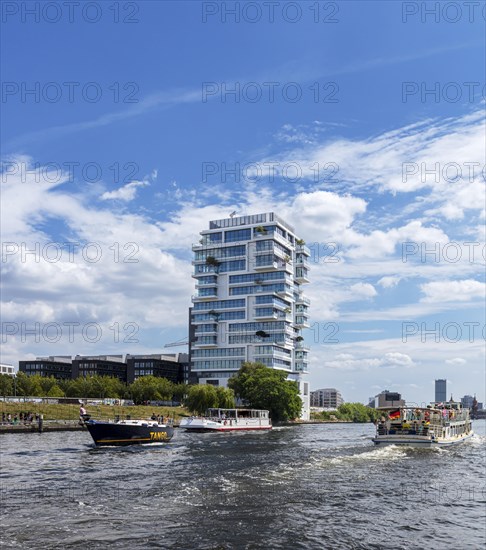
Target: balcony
<point>300,346</point>
<point>213,330</point>
<point>208,342</point>
<point>288,292</point>
<point>262,316</point>
<point>301,299</point>
<point>302,321</point>
<point>302,262</point>
<point>270,266</point>
<point>302,249</point>
<point>268,249</point>
<point>300,366</point>
<point>198,297</point>
<point>301,275</point>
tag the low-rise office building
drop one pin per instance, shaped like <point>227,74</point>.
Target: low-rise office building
<point>59,366</point>
<point>7,369</point>
<point>100,365</point>
<point>175,367</point>
<point>169,366</point>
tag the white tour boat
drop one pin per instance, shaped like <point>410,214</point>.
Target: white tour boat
<point>434,426</point>
<point>228,420</point>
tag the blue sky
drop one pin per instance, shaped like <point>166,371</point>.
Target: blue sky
<point>131,136</point>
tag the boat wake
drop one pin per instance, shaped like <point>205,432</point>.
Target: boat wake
<point>477,439</point>
<point>390,452</point>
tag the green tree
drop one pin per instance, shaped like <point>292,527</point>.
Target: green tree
<point>79,387</point>
<point>226,397</point>
<point>165,388</point>
<point>151,388</point>
<point>201,397</point>
<point>55,391</point>
<point>6,384</point>
<point>266,388</point>
<point>47,383</point>
<point>179,391</point>
<point>356,412</point>
<point>28,385</point>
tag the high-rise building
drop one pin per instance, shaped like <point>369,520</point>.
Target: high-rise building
<point>328,398</point>
<point>440,390</point>
<point>249,304</point>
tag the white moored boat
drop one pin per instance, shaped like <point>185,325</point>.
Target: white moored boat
<point>434,426</point>
<point>228,420</point>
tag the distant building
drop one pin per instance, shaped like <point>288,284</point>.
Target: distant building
<point>59,366</point>
<point>387,399</point>
<point>100,365</point>
<point>467,401</point>
<point>169,366</point>
<point>7,369</point>
<point>440,390</point>
<point>327,398</point>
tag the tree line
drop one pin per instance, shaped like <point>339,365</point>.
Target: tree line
<point>350,412</point>
<point>255,386</point>
<point>146,388</point>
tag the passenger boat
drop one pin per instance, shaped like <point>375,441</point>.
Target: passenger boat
<point>228,420</point>
<point>129,432</point>
<point>437,425</point>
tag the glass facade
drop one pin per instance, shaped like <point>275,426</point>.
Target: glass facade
<point>264,295</point>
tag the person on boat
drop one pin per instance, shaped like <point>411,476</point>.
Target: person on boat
<point>153,417</point>
<point>82,414</point>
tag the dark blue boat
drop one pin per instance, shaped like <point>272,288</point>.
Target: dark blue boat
<point>129,432</point>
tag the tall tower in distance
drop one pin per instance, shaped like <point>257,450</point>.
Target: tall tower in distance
<point>440,390</point>
<point>249,304</point>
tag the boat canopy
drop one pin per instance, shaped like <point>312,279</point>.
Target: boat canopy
<point>237,413</point>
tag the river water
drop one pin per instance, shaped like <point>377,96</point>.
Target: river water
<point>299,487</point>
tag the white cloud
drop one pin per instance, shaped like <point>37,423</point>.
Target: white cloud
<point>126,193</point>
<point>459,361</point>
<point>363,290</point>
<point>453,291</point>
<point>389,281</point>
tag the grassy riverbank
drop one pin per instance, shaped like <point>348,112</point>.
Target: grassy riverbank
<point>105,412</point>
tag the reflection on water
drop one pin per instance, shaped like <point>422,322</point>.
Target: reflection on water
<point>315,486</point>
